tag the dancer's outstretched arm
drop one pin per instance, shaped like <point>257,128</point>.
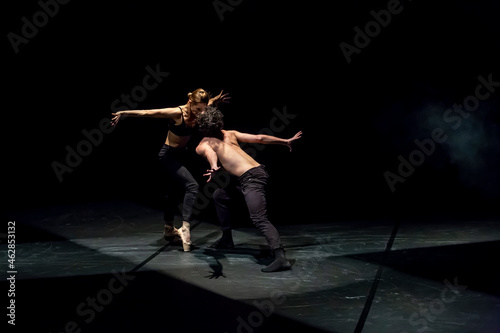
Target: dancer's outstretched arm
<point>266,139</point>
<point>153,113</point>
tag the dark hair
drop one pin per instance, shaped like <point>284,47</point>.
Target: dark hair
<point>210,122</point>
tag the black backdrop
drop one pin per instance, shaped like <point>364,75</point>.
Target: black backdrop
<point>272,57</point>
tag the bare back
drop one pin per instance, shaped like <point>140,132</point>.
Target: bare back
<point>232,158</point>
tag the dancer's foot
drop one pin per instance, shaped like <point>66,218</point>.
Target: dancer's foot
<point>223,243</point>
<point>170,232</point>
<point>280,262</point>
<point>185,234</point>
<point>177,240</point>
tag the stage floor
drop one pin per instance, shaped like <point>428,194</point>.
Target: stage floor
<point>104,267</point>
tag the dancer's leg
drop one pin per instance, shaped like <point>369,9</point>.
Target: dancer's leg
<point>178,174</point>
<point>223,199</point>
<point>170,165</point>
<point>191,187</point>
<point>253,186</point>
<point>191,191</point>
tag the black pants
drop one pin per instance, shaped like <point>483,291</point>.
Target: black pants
<point>252,186</point>
<point>180,181</point>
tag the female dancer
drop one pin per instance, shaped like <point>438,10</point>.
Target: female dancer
<point>173,156</point>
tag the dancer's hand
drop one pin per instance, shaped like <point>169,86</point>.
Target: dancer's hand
<point>292,139</point>
<point>116,118</point>
<point>211,172</point>
<point>220,98</point>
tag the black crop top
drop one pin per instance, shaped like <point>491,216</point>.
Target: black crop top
<point>182,129</point>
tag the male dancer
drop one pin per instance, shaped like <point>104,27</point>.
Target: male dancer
<point>219,145</point>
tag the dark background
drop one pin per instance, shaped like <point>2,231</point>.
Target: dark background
<point>356,118</point>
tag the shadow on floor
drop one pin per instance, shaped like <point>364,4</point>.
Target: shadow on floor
<point>474,265</point>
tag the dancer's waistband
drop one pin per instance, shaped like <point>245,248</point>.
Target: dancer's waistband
<point>253,172</point>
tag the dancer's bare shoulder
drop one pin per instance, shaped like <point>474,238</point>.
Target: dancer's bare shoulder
<point>230,137</point>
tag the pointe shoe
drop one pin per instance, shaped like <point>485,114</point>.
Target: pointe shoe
<point>186,238</point>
